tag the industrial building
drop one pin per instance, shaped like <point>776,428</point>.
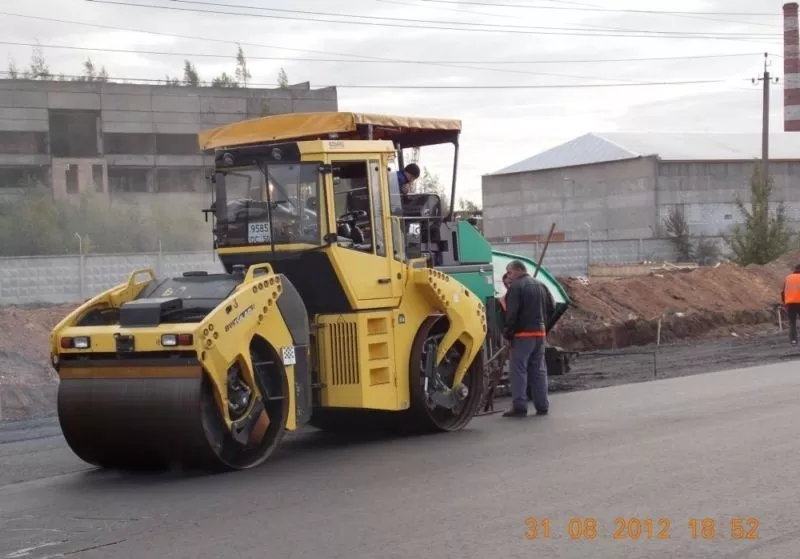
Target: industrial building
<point>128,140</point>
<point>622,185</point>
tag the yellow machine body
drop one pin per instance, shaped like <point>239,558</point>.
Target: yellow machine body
<point>307,325</point>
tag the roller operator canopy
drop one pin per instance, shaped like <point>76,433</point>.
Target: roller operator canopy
<point>408,132</point>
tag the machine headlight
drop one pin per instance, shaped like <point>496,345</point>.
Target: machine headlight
<point>79,342</point>
<point>169,340</point>
<point>82,342</point>
<point>172,340</point>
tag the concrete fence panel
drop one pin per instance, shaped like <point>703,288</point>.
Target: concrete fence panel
<point>65,279</point>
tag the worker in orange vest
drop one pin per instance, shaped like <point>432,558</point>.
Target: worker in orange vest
<point>790,297</point>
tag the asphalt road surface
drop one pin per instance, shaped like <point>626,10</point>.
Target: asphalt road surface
<point>713,446</point>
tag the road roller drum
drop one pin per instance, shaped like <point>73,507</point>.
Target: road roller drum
<point>139,391</point>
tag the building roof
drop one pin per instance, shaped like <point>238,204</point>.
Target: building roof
<point>671,146</point>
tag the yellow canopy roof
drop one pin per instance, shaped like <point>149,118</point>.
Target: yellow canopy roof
<point>408,131</point>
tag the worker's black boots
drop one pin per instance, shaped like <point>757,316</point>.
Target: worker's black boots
<point>514,412</point>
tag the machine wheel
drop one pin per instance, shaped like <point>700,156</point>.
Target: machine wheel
<point>423,415</point>
<point>427,414</point>
<point>155,423</point>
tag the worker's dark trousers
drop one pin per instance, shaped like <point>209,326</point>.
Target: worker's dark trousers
<point>527,366</point>
<point>793,310</point>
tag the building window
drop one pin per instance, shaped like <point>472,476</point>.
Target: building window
<point>121,180</point>
<point>74,133</point>
<point>72,179</point>
<point>23,143</point>
<point>177,144</point>
<point>180,180</point>
<point>129,144</point>
<point>97,177</point>
<point>24,177</point>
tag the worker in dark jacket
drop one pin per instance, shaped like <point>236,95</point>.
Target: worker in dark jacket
<point>529,306</point>
<point>790,297</point>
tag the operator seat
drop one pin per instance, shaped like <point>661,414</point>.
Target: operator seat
<point>352,233</point>
<point>344,230</point>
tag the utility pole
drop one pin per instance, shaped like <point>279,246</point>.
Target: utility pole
<point>766,79</point>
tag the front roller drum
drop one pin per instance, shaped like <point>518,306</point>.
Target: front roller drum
<point>157,423</point>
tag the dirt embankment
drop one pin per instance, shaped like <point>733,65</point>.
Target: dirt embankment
<point>27,381</point>
<point>722,300</point>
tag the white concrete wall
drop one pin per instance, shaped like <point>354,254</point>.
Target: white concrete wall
<point>615,200</point>
<point>630,199</point>
<point>707,192</point>
<point>62,279</point>
<point>65,279</point>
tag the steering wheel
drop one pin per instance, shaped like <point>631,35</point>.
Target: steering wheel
<point>352,216</point>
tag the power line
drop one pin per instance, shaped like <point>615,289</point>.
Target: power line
<point>375,58</point>
<point>216,40</point>
<point>604,10</point>
<point>506,16</point>
<point>398,61</point>
<point>502,70</point>
<point>760,37</point>
<point>415,21</point>
<point>444,87</point>
<point>372,58</point>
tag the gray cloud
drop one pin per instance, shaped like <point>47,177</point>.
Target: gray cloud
<point>500,126</point>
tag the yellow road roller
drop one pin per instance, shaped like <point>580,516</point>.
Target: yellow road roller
<point>344,303</point>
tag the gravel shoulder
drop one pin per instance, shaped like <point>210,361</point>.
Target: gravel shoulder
<point>640,364</point>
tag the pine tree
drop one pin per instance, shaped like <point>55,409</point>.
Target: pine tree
<point>242,73</point>
<point>38,66</point>
<point>190,76</point>
<point>677,229</point>
<point>762,238</point>
<point>283,79</point>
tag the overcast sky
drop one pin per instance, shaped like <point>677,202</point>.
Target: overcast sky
<point>495,45</point>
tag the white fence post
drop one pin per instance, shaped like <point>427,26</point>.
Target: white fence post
<point>160,260</point>
<point>82,275</point>
<point>588,255</point>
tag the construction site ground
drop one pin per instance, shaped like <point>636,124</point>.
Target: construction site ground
<point>710,319</point>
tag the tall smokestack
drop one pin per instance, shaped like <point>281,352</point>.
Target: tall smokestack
<point>791,69</point>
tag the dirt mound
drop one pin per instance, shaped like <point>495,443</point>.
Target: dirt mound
<point>622,312</point>
<point>27,381</point>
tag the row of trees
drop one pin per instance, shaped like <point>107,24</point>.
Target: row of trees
<point>430,183</point>
<point>762,237</point>
<point>38,224</point>
<point>38,69</point>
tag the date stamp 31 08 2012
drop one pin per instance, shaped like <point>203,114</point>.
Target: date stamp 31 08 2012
<point>635,528</point>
